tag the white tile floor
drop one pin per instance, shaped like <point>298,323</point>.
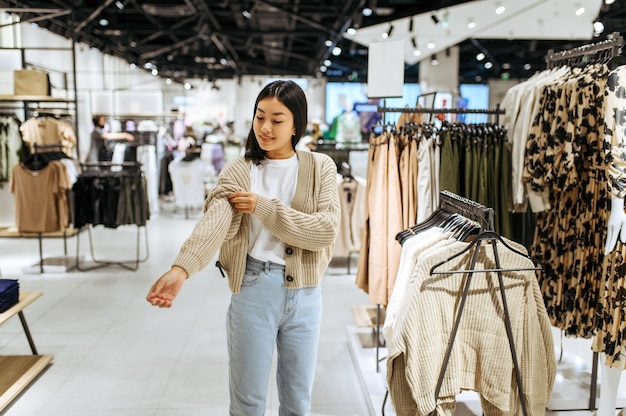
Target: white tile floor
<point>115,355</point>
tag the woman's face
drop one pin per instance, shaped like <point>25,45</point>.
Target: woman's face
<point>273,128</point>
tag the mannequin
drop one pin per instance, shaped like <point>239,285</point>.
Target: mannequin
<point>610,376</point>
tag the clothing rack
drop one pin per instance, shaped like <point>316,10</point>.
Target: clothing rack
<point>496,111</point>
<point>601,51</point>
<point>484,216</point>
<point>37,150</point>
<point>585,54</point>
<point>107,169</point>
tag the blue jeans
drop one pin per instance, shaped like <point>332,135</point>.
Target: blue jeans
<point>263,314</point>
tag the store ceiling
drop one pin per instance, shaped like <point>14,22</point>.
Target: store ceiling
<point>232,38</point>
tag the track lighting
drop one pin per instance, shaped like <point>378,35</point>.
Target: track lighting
<point>433,60</point>
<point>435,19</point>
<point>414,43</point>
<point>411,25</point>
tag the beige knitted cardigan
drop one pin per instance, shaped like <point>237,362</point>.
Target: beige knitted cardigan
<point>481,359</point>
<point>308,228</point>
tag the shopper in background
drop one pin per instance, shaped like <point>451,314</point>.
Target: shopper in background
<point>274,217</point>
<point>101,141</point>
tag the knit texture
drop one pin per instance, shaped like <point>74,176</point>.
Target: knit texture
<point>481,358</point>
<point>308,228</point>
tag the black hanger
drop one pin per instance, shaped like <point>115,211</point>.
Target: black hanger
<point>485,235</point>
<point>35,162</point>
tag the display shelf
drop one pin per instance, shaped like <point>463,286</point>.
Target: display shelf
<point>34,98</point>
<point>19,371</point>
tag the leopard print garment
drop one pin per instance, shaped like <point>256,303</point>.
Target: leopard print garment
<point>564,155</point>
<point>611,312</point>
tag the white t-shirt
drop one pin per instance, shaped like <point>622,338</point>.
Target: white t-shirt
<point>273,178</point>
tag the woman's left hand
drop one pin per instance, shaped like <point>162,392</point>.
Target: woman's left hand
<point>243,201</point>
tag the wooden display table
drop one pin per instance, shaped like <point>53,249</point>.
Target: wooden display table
<point>18,371</point>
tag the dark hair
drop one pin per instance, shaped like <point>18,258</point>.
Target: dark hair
<point>291,95</point>
<point>96,119</point>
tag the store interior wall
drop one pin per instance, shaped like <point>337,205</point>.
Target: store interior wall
<point>109,85</point>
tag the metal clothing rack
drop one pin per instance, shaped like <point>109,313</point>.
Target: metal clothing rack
<point>37,150</point>
<point>105,169</point>
<point>443,195</point>
<point>496,111</point>
<point>484,216</point>
<point>585,54</point>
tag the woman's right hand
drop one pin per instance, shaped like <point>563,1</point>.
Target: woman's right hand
<point>164,290</point>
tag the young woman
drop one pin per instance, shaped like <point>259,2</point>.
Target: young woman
<point>274,216</point>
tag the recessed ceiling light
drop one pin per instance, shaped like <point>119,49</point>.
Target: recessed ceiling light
<point>580,11</point>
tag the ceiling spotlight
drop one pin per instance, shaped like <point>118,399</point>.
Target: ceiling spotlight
<point>323,68</point>
<point>187,86</point>
<point>434,61</point>
<point>367,11</point>
<point>488,65</point>
<point>103,22</point>
<point>580,11</point>
<point>168,81</point>
<point>527,67</point>
<point>471,24</point>
<point>414,43</point>
<point>119,5</point>
<point>327,62</point>
<point>155,72</point>
<point>328,43</point>
<point>390,31</point>
<point>351,31</point>
<point>411,24</point>
<point>435,19</point>
<point>480,56</point>
<point>417,52</point>
<point>336,51</point>
<point>246,14</point>
<point>609,1</point>
<point>431,45</point>
<point>598,27</point>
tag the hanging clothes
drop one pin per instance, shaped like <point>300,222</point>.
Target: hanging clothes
<point>351,191</point>
<point>379,255</point>
<point>481,357</point>
<point>40,190</point>
<point>49,130</point>
<point>610,337</point>
<point>564,169</point>
<point>111,198</point>
<point>12,147</point>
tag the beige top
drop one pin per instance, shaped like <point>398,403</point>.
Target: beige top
<point>308,228</point>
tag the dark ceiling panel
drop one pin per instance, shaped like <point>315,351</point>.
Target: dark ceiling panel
<point>232,38</point>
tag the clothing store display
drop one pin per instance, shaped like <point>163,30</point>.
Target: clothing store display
<point>41,197</point>
<point>110,197</point>
<point>348,127</point>
<point>49,130</point>
<point>565,170</point>
<point>481,357</point>
<point>611,323</point>
<point>188,182</point>
<point>11,145</point>
<point>379,254</point>
<point>352,197</point>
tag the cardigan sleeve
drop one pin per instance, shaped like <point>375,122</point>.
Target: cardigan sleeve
<point>219,222</point>
<point>316,226</point>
